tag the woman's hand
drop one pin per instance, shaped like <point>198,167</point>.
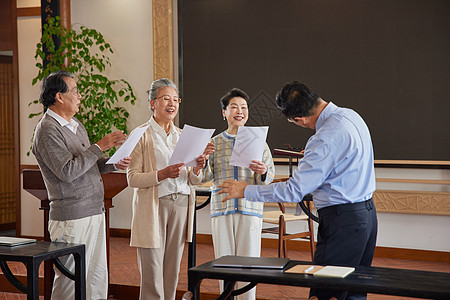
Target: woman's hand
<point>258,167</point>
<point>210,148</point>
<point>201,160</point>
<point>172,171</point>
<point>124,163</point>
<point>201,163</point>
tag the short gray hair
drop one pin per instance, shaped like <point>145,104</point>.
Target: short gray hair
<point>159,84</point>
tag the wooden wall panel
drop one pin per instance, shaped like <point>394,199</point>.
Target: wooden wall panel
<point>412,202</point>
<point>7,154</point>
<point>6,36</point>
<point>163,39</point>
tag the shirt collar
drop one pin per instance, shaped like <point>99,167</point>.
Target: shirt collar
<point>63,122</point>
<point>159,129</point>
<point>326,112</point>
<point>229,136</point>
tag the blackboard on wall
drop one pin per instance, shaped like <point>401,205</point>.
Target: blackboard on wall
<point>388,60</point>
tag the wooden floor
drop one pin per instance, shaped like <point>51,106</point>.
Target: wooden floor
<point>124,271</point>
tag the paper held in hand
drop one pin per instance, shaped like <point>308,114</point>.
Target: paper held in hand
<point>128,147</point>
<point>324,271</point>
<point>190,145</point>
<point>249,145</point>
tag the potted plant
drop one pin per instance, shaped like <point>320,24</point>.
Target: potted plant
<point>86,52</point>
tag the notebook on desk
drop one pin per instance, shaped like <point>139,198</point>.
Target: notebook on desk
<point>14,241</point>
<point>321,271</point>
<point>230,261</point>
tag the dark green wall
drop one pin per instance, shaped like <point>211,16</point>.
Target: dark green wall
<point>388,60</point>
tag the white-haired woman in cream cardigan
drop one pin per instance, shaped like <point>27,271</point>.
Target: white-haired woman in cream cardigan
<point>163,200</point>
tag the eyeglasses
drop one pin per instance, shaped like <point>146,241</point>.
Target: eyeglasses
<point>74,91</point>
<point>167,98</point>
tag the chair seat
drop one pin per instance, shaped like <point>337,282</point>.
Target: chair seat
<point>273,217</point>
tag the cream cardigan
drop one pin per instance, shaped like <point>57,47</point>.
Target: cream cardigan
<point>142,176</point>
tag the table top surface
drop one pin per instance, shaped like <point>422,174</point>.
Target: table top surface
<point>39,249</point>
<point>398,282</point>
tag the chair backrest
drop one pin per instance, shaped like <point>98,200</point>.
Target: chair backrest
<point>281,205</point>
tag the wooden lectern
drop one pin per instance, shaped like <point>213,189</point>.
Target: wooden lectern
<point>33,183</point>
<point>290,154</point>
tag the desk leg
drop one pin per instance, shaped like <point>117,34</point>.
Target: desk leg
<point>107,243</point>
<point>192,246</point>
<point>194,286</point>
<point>32,280</point>
<point>49,274</point>
<point>80,275</point>
<point>228,288</point>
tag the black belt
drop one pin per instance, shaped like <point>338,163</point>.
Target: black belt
<point>340,208</point>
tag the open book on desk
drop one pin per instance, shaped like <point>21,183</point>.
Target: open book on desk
<point>322,271</point>
<point>14,241</point>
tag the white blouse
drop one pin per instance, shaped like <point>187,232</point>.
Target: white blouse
<point>164,145</point>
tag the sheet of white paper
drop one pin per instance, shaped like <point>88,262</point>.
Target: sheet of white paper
<point>249,145</point>
<point>127,147</point>
<point>191,144</point>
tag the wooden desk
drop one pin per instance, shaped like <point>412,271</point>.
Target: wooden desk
<point>398,282</point>
<point>32,255</point>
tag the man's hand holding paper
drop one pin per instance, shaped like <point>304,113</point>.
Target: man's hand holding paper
<point>125,150</point>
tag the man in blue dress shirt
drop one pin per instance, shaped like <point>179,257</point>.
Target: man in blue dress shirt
<point>338,169</point>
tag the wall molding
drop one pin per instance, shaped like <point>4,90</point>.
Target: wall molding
<point>412,202</point>
<point>405,202</point>
<point>163,45</point>
<point>34,11</point>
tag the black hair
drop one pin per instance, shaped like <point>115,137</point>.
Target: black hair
<point>53,84</point>
<point>235,92</point>
<point>296,100</point>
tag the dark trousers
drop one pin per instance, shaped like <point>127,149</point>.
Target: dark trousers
<point>347,236</point>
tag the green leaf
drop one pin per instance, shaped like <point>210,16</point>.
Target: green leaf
<point>100,110</point>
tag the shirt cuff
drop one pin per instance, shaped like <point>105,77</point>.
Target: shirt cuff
<point>259,193</point>
<point>156,177</point>
<point>251,193</point>
<point>199,176</point>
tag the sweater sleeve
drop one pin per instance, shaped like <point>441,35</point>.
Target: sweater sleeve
<point>137,175</point>
<point>56,155</point>
<point>195,179</point>
<point>103,167</point>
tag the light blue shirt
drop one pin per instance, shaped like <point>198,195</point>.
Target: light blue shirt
<point>337,167</point>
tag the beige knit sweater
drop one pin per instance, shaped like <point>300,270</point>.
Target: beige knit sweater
<point>142,176</point>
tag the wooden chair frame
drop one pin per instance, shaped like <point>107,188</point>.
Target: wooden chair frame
<point>283,236</point>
